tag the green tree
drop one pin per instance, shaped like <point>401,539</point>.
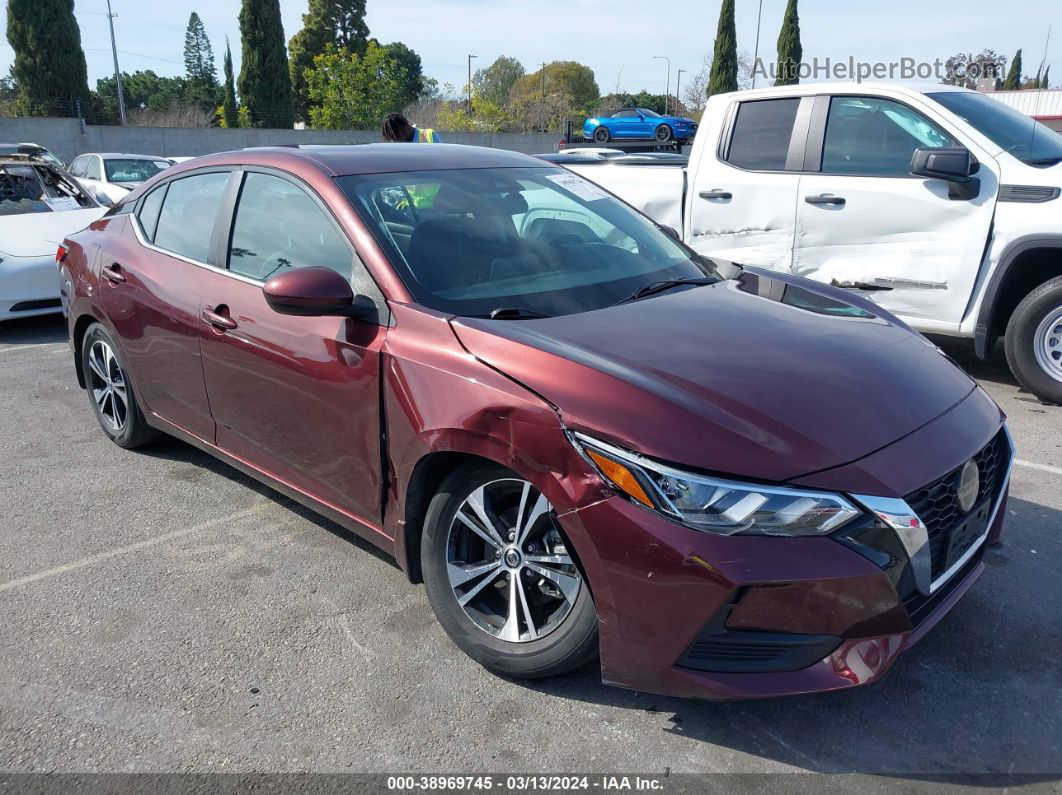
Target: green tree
<point>265,83</point>
<point>790,52</point>
<point>561,77</point>
<point>198,54</point>
<point>413,74</point>
<point>1045,81</point>
<point>723,77</point>
<point>1013,81</point>
<point>340,23</point>
<point>8,95</point>
<point>229,108</point>
<point>348,91</point>
<point>495,83</point>
<point>142,90</point>
<point>49,66</point>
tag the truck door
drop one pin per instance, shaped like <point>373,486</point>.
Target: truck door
<point>741,201</point>
<point>863,221</point>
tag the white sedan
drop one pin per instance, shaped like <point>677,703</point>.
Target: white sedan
<point>113,175</point>
<point>39,206</point>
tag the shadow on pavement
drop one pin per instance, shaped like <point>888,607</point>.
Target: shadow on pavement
<point>33,330</point>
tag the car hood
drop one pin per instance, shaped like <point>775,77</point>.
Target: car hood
<point>38,234</point>
<point>761,376</point>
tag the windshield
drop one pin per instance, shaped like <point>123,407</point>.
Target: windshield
<point>541,240</point>
<point>28,188</point>
<point>1025,138</point>
<point>649,113</point>
<point>133,170</point>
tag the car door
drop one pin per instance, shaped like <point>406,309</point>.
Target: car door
<point>864,221</point>
<point>624,125</point>
<point>151,286</point>
<point>741,202</point>
<point>297,397</point>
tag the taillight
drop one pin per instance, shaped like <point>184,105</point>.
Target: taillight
<point>60,255</point>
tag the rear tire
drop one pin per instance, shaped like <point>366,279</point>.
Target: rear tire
<point>601,135</point>
<point>529,613</point>
<point>1034,341</point>
<point>110,391</point>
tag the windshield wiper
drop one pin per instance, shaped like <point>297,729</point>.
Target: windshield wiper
<point>659,287</point>
<point>515,313</point>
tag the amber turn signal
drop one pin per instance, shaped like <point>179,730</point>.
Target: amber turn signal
<point>622,477</point>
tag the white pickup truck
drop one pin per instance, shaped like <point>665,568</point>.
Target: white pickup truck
<point>939,204</point>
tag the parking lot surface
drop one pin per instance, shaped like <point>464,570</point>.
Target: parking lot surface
<point>162,612</point>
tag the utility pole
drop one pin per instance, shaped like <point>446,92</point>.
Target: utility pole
<point>756,53</point>
<point>117,74</point>
<point>470,57</point>
<point>544,97</point>
<point>667,90</point>
<point>678,82</point>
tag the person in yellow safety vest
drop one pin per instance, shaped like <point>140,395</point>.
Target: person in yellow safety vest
<point>397,128</point>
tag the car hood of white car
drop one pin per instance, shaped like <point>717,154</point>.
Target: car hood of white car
<point>38,234</point>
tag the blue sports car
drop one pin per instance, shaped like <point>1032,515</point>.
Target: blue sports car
<point>638,124</point>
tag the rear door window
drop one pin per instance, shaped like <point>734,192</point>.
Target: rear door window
<point>148,215</point>
<point>761,135</point>
<point>189,210</point>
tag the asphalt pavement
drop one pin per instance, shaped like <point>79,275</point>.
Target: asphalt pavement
<point>162,612</point>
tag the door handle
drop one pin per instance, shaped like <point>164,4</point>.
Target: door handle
<point>113,273</point>
<point>826,198</point>
<point>218,321</point>
<point>716,194</point>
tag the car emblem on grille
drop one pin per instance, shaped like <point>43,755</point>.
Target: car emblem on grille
<point>969,484</point>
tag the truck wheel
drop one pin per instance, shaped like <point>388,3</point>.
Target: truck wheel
<point>1034,341</point>
<point>601,135</point>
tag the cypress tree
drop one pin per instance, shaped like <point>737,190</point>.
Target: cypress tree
<point>49,67</point>
<point>1013,81</point>
<point>723,77</point>
<point>790,52</point>
<point>337,22</point>
<point>1045,82</point>
<point>229,108</point>
<point>265,85</point>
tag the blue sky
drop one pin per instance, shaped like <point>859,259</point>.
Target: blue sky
<point>616,38</point>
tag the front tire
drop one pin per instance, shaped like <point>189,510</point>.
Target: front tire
<point>1034,341</point>
<point>501,578</point>
<point>601,135</point>
<point>110,391</point>
<point>664,133</point>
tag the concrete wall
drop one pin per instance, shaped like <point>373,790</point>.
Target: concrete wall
<point>65,138</point>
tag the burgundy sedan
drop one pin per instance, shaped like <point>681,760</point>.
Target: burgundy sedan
<point>582,437</point>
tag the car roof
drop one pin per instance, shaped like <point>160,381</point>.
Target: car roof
<point>805,89</point>
<point>346,160</point>
<point>122,155</point>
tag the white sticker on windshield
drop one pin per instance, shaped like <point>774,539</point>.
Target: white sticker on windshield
<point>62,203</point>
<point>587,191</point>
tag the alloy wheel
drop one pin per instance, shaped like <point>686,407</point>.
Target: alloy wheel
<point>507,563</point>
<point>109,387</point>
<point>1047,342</point>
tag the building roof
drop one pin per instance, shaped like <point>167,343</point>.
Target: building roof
<point>1045,103</point>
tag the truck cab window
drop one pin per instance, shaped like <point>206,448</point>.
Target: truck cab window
<point>760,140</point>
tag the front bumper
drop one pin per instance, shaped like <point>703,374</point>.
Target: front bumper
<point>699,615</point>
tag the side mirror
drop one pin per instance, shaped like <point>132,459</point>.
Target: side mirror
<point>952,165</point>
<point>103,199</point>
<point>671,232</point>
<point>315,292</point>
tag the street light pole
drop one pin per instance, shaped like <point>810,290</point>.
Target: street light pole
<point>678,83</point>
<point>117,74</point>
<point>470,57</point>
<point>756,54</point>
<point>667,90</point>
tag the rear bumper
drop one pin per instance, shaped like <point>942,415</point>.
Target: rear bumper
<point>659,588</point>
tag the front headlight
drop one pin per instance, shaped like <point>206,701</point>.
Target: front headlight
<point>714,505</point>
